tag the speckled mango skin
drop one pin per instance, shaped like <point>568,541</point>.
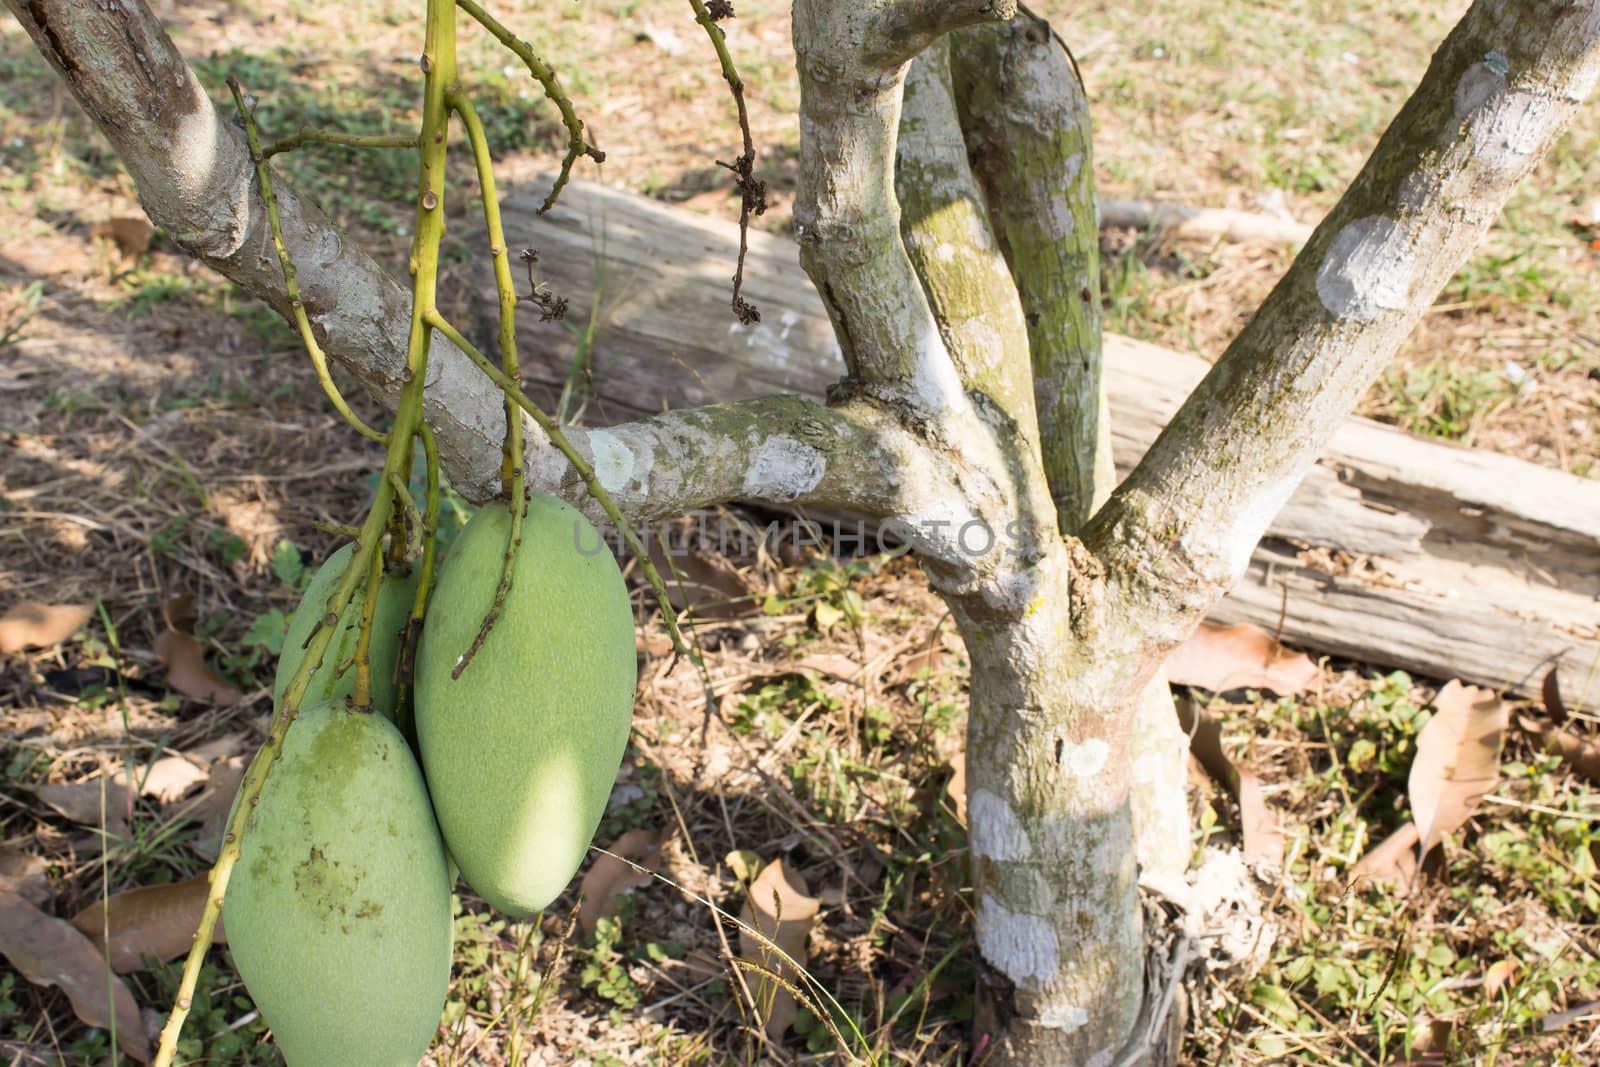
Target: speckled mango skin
<point>338,911</point>
<point>394,604</point>
<point>521,751</point>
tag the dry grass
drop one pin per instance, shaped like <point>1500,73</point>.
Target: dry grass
<point>155,430</point>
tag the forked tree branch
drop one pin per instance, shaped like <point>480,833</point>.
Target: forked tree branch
<point>1499,91</point>
<point>196,180</point>
<point>1025,120</point>
<point>945,224</point>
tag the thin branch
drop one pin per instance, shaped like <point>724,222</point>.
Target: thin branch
<point>577,142</point>
<point>752,190</point>
<point>291,285</point>
<point>311,135</point>
<point>1499,91</point>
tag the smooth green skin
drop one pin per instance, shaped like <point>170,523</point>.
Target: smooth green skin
<point>521,751</point>
<point>338,911</point>
<point>394,605</point>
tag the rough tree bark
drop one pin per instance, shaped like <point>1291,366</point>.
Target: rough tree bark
<point>970,416</point>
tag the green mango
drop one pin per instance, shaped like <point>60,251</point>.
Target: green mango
<point>338,910</point>
<point>521,751</point>
<point>395,595</point>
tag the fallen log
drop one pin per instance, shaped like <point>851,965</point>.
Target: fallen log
<point>1397,550</point>
<point>1201,223</point>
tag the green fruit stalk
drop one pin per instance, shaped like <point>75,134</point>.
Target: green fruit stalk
<point>521,750</point>
<point>394,605</point>
<point>338,912</point>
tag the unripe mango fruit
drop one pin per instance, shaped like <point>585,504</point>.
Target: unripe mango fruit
<point>521,750</point>
<point>338,910</point>
<point>395,595</point>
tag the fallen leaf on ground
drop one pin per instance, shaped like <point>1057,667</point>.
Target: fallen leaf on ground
<point>168,778</point>
<point>1392,860</point>
<point>49,951</point>
<point>211,808</point>
<point>927,658</point>
<point>154,922</point>
<point>81,802</point>
<point>705,587</point>
<point>1220,658</point>
<point>1260,832</point>
<point>780,907</point>
<point>23,874</point>
<point>1457,761</point>
<point>1554,706</point>
<point>27,624</point>
<point>956,788</point>
<point>180,614</point>
<point>1499,976</point>
<point>187,672</point>
<point>1580,754</point>
<point>612,875</point>
<point>131,233</point>
<point>831,665</point>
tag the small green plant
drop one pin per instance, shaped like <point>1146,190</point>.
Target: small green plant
<point>605,968</point>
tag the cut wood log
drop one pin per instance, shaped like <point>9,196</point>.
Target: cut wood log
<point>1397,550</point>
<point>1201,223</point>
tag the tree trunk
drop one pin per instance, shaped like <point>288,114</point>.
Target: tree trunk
<point>1066,621</point>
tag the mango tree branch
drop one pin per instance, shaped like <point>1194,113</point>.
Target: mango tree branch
<point>945,225</point>
<point>1499,91</point>
<point>852,68</point>
<point>1025,121</point>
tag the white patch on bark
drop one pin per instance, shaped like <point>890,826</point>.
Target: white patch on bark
<point>935,383</point>
<point>996,830</point>
<point>1021,947</point>
<point>1064,1017</point>
<point>945,253</point>
<point>1481,83</point>
<point>1251,523</point>
<point>613,461</point>
<point>783,469</point>
<point>1086,759</point>
<point>1368,269</point>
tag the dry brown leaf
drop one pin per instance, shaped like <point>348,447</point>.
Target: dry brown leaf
<point>1261,832</point>
<point>82,803</point>
<point>23,874</point>
<point>28,624</point>
<point>928,658</point>
<point>168,778</point>
<point>49,951</point>
<point>1554,706</point>
<point>707,587</point>
<point>187,672</point>
<point>1220,658</point>
<point>956,788</point>
<point>1457,761</point>
<point>830,665</point>
<point>154,922</point>
<point>1580,754</point>
<point>1498,977</point>
<point>780,907</point>
<point>1393,860</point>
<point>211,807</point>
<point>611,876</point>
<point>179,613</point>
<point>131,233</point>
